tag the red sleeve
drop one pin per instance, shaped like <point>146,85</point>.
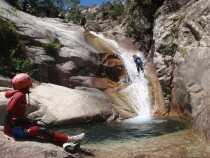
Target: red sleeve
<point>9,93</point>
<point>17,99</point>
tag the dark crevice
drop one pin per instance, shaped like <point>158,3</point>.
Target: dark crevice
<point>144,13</point>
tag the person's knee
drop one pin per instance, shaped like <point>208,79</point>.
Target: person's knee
<point>33,131</point>
<point>37,131</point>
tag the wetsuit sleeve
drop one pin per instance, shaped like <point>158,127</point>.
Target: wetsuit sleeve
<point>9,93</point>
<point>15,101</point>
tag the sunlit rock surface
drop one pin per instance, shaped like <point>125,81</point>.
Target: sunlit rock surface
<point>60,105</point>
<point>183,34</point>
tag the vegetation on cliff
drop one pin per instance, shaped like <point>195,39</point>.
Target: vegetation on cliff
<point>141,27</point>
<point>12,59</point>
<point>109,10</point>
<point>49,8</point>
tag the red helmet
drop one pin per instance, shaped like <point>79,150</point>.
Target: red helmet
<point>21,81</point>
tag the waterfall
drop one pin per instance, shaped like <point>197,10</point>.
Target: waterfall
<point>137,91</point>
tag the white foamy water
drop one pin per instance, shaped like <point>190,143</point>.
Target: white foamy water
<point>137,91</point>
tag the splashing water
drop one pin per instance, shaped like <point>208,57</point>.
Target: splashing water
<point>137,91</point>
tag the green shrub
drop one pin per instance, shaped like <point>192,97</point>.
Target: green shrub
<point>15,3</point>
<point>116,10</point>
<point>183,51</point>
<point>147,2</point>
<point>169,49</point>
<point>52,47</point>
<point>12,57</point>
<point>74,15</point>
<point>91,16</point>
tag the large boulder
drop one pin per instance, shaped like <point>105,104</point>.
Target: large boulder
<point>60,105</point>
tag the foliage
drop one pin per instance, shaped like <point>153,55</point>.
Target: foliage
<point>169,49</point>
<point>147,2</point>
<point>12,58</point>
<point>75,15</point>
<point>172,46</point>
<point>183,51</point>
<point>91,16</point>
<point>44,8</point>
<point>49,8</point>
<point>116,9</point>
<point>73,3</point>
<point>14,3</point>
<point>52,47</point>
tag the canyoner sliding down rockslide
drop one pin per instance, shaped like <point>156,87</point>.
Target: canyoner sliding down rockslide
<point>138,95</point>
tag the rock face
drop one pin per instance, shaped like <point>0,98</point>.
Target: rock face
<point>181,34</point>
<point>140,27</point>
<point>60,105</point>
<point>191,76</point>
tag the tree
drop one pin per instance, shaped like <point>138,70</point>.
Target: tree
<point>14,3</point>
<point>73,3</point>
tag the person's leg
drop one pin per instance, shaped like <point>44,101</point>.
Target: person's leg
<point>43,133</point>
<point>142,69</point>
<point>50,135</point>
<point>138,68</point>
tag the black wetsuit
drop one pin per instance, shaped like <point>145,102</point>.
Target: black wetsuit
<point>83,22</point>
<point>139,64</point>
<point>25,5</point>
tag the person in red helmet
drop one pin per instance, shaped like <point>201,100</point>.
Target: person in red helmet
<point>16,123</point>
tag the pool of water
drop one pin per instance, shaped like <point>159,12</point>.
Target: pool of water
<point>101,132</point>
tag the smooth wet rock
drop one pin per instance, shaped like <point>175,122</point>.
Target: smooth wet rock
<point>157,99</point>
<point>93,82</point>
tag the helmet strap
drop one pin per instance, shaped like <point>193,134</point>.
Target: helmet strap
<point>28,93</point>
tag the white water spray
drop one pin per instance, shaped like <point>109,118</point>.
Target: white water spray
<point>138,95</point>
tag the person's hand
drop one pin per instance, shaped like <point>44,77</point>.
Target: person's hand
<point>40,123</point>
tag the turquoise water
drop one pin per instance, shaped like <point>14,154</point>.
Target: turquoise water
<point>98,133</point>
